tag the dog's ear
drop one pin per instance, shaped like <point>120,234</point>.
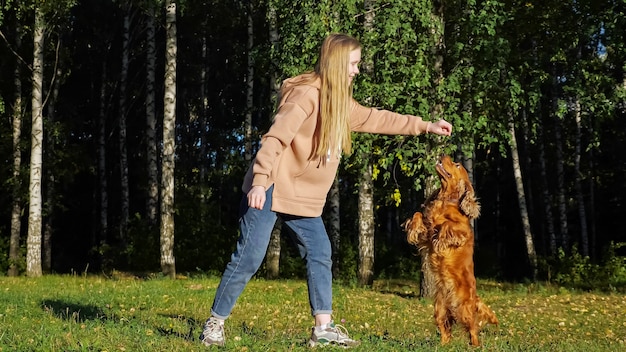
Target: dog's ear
<point>468,203</point>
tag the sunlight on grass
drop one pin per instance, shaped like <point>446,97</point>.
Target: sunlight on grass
<point>70,313</point>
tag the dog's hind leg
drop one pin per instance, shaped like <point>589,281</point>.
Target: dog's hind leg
<point>443,319</point>
<point>468,317</point>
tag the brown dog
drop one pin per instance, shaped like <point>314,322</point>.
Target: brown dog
<point>444,235</point>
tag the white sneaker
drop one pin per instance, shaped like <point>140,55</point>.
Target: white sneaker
<point>213,332</point>
<point>332,335</point>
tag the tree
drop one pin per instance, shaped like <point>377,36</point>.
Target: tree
<point>152,200</point>
<point>272,258</point>
<point>33,248</point>
<point>122,128</point>
<point>366,186</point>
<point>169,145</point>
<point>521,197</point>
<point>16,212</point>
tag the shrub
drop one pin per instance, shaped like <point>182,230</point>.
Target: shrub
<point>577,271</point>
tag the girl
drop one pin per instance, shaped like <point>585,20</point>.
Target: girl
<point>292,174</point>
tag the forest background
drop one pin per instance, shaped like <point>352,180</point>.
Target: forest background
<point>127,127</point>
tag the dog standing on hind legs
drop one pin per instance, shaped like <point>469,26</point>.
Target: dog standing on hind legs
<point>444,236</point>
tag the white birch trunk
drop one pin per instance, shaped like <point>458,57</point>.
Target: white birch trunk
<point>366,227</point>
<point>168,266</point>
<point>582,214</point>
<point>366,184</point>
<point>560,172</point>
<point>272,258</point>
<point>151,140</point>
<point>521,198</point>
<point>561,198</point>
<point>16,211</point>
<point>33,241</point>
<point>334,224</point>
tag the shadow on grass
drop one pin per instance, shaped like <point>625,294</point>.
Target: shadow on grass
<point>171,332</point>
<point>78,313</point>
<point>401,288</point>
<point>73,311</point>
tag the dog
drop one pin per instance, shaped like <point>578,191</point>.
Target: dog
<point>444,236</point>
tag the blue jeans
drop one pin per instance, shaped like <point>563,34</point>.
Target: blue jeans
<point>256,228</point>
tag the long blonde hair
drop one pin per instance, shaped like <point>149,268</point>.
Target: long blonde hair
<point>335,94</point>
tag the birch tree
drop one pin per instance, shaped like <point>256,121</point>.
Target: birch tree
<point>152,200</point>
<point>168,266</point>
<point>16,210</point>
<point>366,180</point>
<point>33,241</point>
<point>334,224</point>
<point>521,198</point>
<point>272,257</point>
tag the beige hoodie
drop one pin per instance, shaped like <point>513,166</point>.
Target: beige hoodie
<point>301,182</point>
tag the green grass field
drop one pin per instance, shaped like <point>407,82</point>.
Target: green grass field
<point>94,313</point>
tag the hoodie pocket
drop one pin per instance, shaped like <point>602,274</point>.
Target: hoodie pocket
<point>315,180</point>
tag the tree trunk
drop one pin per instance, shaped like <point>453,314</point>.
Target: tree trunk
<point>366,183</point>
<point>560,173</point>
<point>334,225</point>
<point>437,29</point>
<point>33,242</point>
<point>562,202</point>
<point>427,277</point>
<point>169,145</point>
<point>272,257</point>
<point>249,87</point>
<point>103,216</point>
<point>122,139</point>
<point>16,212</point>
<point>151,140</point>
<point>50,189</point>
<point>468,164</point>
<point>204,115</point>
<point>547,196</point>
<point>582,214</point>
<point>592,200</point>
<point>521,198</point>
<point>366,226</point>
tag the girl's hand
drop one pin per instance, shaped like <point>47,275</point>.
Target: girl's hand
<point>441,127</point>
<point>256,197</point>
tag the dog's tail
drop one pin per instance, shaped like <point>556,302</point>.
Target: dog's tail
<point>485,314</point>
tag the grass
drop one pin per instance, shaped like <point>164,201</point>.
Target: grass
<point>94,313</point>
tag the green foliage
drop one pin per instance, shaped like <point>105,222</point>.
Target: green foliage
<point>579,272</point>
<point>348,266</point>
<point>142,250</point>
<point>4,259</point>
